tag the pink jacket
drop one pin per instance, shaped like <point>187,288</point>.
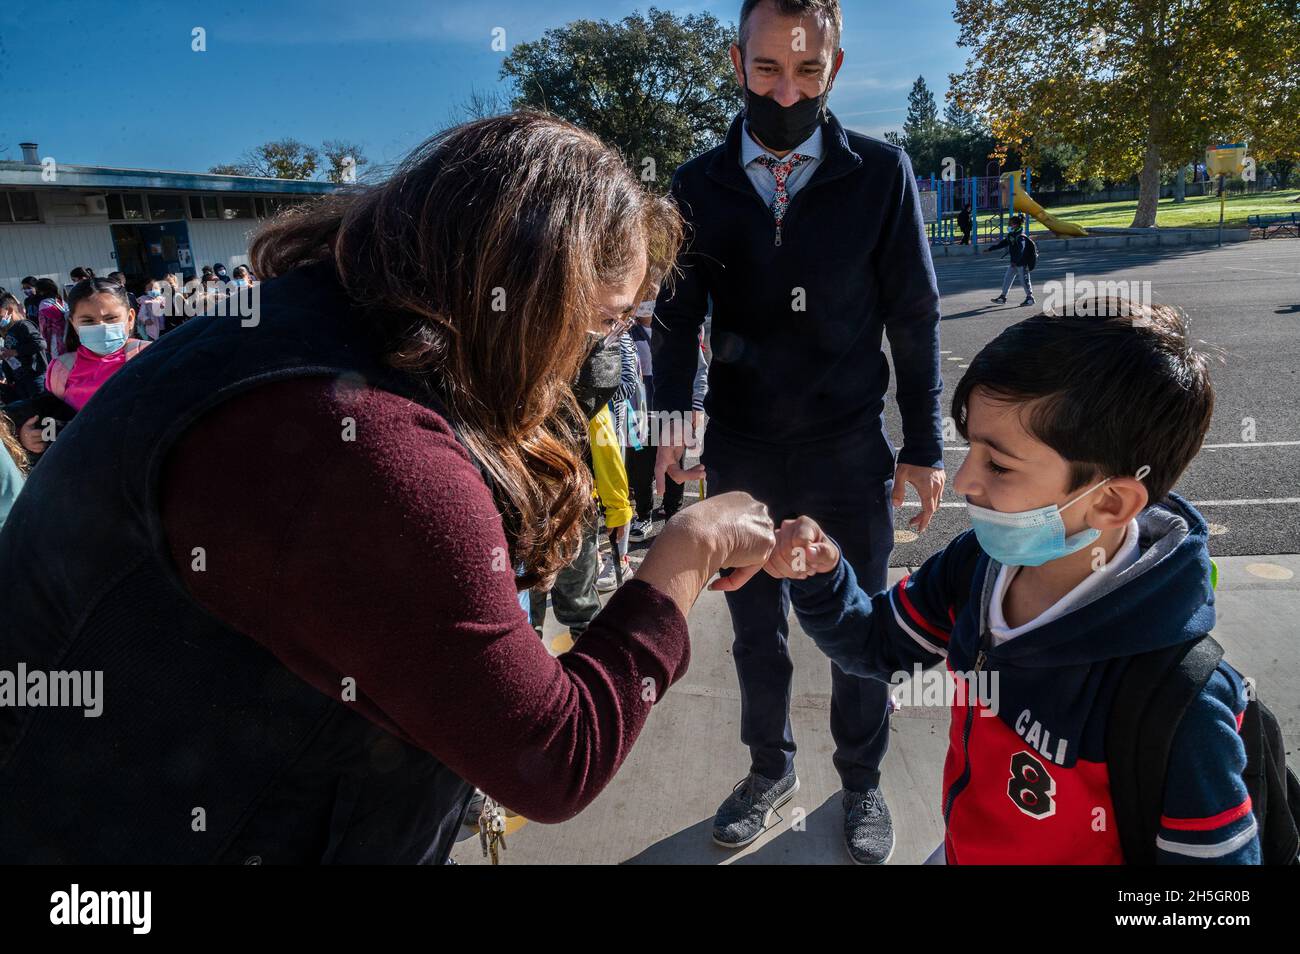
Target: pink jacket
<point>75,377</point>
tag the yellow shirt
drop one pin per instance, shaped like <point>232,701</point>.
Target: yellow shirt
<point>610,473</point>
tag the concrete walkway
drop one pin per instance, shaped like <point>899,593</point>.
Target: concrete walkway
<point>660,806</point>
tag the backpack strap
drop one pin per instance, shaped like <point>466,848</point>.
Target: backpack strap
<point>1153,695</point>
<point>1274,790</point>
<point>56,373</point>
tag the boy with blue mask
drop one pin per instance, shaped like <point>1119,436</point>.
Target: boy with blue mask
<point>23,354</point>
<point>1080,559</point>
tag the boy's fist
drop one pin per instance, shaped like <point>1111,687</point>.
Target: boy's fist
<point>802,550</point>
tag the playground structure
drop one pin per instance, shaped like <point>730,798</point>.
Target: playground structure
<point>992,200</point>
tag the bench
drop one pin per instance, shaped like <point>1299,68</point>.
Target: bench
<point>1276,224</point>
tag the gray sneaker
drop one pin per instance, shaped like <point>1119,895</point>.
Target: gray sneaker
<point>745,813</point>
<point>868,830</point>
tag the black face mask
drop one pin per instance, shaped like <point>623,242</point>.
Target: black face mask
<point>781,128</point>
<point>599,377</point>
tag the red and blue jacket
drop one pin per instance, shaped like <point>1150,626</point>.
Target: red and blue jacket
<point>1025,780</point>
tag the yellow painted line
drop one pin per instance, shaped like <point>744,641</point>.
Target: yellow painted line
<point>513,823</point>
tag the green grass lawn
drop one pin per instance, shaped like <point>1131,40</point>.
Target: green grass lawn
<point>1196,212</point>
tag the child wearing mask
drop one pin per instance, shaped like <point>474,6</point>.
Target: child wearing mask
<point>1080,562</point>
<point>99,341</point>
<point>23,355</point>
<point>152,316</point>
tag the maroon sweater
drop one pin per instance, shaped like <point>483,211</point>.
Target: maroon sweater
<point>383,559</point>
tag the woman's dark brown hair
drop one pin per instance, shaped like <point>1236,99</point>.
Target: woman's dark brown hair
<point>483,257</point>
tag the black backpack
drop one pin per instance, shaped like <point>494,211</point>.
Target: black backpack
<point>1030,257</point>
<point>1153,694</point>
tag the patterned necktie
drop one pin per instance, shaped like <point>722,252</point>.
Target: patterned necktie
<point>781,169</point>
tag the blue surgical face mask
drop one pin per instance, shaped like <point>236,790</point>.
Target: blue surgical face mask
<point>104,338</point>
<point>1030,537</point>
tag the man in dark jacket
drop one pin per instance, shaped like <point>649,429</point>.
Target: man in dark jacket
<point>810,243</point>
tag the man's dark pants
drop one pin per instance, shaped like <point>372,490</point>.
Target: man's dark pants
<point>844,483</point>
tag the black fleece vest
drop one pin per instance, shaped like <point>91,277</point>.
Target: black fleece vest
<point>208,749</point>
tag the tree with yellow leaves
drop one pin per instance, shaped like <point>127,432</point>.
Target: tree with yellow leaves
<point>1135,86</point>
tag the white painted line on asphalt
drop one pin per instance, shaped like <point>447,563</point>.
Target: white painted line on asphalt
<point>1251,502</point>
<point>1253,444</point>
<point>966,447</point>
<point>1266,271</point>
<point>1259,501</point>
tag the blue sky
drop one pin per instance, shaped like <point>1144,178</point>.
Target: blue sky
<point>118,84</point>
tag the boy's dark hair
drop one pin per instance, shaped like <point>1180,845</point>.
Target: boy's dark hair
<point>830,9</point>
<point>1109,394</point>
<point>9,301</point>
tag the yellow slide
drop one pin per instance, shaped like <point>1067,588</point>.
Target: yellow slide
<point>1027,205</point>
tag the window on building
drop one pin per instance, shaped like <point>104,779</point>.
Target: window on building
<point>132,206</point>
<point>19,207</point>
<point>237,207</point>
<point>163,206</point>
<point>125,206</point>
<point>204,207</point>
<point>24,207</point>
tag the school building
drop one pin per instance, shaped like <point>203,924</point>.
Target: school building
<point>142,222</point>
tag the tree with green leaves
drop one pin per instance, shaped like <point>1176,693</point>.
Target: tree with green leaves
<point>922,119</point>
<point>281,159</point>
<point>929,141</point>
<point>344,159</point>
<point>657,86</point>
<point>1137,86</point>
<point>291,159</point>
